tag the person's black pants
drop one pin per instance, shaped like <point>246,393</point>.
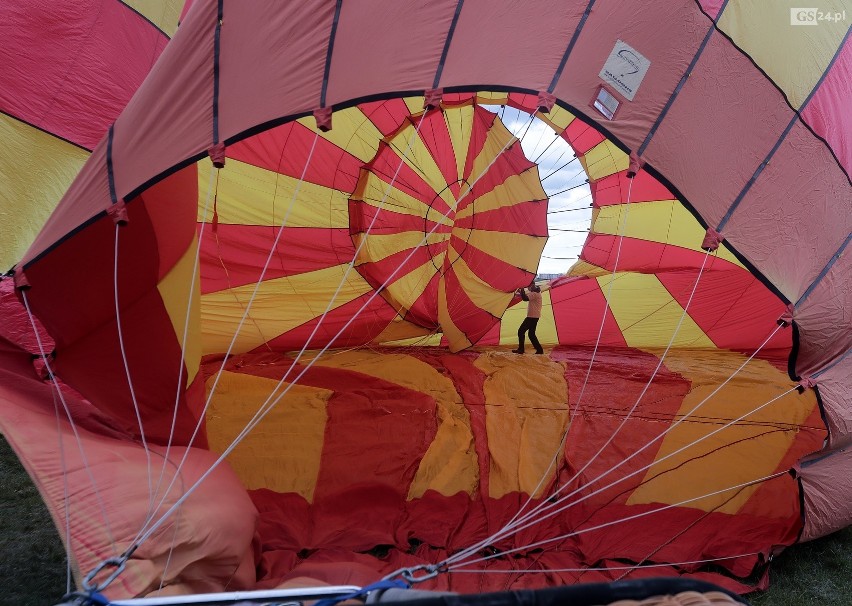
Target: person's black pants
<point>528,325</point>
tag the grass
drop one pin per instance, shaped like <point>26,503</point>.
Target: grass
<point>32,559</point>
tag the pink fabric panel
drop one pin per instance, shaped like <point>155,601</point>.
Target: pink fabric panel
<point>496,43</point>
<point>159,129</point>
<point>711,7</point>
<point>87,196</point>
<point>400,41</point>
<point>70,68</point>
<point>697,148</point>
<point>823,318</point>
<point>272,61</point>
<point>836,396</point>
<point>829,112</point>
<point>827,493</point>
<point>665,33</point>
<point>785,202</point>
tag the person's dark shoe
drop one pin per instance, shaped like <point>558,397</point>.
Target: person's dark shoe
<point>519,351</point>
<point>539,351</point>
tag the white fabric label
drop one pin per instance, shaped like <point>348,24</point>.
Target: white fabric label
<point>624,69</point>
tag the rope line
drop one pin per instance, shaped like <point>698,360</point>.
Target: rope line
<point>63,466</point>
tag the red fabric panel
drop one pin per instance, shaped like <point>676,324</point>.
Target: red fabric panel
<point>491,270</point>
<point>392,268</point>
<point>468,317</point>
<point>733,308</point>
<point>387,115</point>
<point>434,133</point>
<point>387,220</point>
<point>369,324</point>
<point>70,69</point>
<point>81,275</point>
<point>286,150</point>
<point>582,137</point>
<point>424,311</point>
<point>524,218</point>
<point>582,298</point>
<point>613,189</point>
<point>646,256</point>
<point>827,113</point>
<point>390,168</point>
<point>234,255</point>
<point>172,207</point>
<point>511,162</point>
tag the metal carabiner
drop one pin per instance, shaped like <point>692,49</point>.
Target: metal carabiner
<point>118,563</point>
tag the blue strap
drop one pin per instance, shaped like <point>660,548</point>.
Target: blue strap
<point>364,591</point>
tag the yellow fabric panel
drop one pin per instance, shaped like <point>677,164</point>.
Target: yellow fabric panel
<point>280,305</point>
<point>523,250</point>
<point>456,338</point>
<point>487,97</point>
<point>381,246</point>
<point>401,332</point>
<point>175,291</point>
<point>415,104</point>
<point>523,187</point>
<point>411,148</point>
<point>450,465</point>
<point>248,195</point>
<point>604,159</point>
<point>545,331</point>
<point>374,190</point>
<point>582,268</point>
<point>751,449</point>
<point>664,221</point>
<point>459,125</point>
<point>351,131</point>
<point>794,56</point>
<point>41,169</point>
<point>648,315</point>
<point>482,294</point>
<point>526,415</point>
<point>407,287</point>
<point>283,452</point>
<point>558,118</point>
<point>165,14</point>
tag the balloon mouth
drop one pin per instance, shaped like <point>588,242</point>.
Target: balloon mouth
<point>439,227</point>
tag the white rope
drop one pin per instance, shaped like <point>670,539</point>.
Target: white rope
<point>568,535</point>
<point>265,409</point>
<point>601,568</point>
<point>83,457</point>
<point>65,494</point>
<point>127,371</point>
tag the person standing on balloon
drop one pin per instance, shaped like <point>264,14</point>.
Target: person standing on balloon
<point>531,294</point>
